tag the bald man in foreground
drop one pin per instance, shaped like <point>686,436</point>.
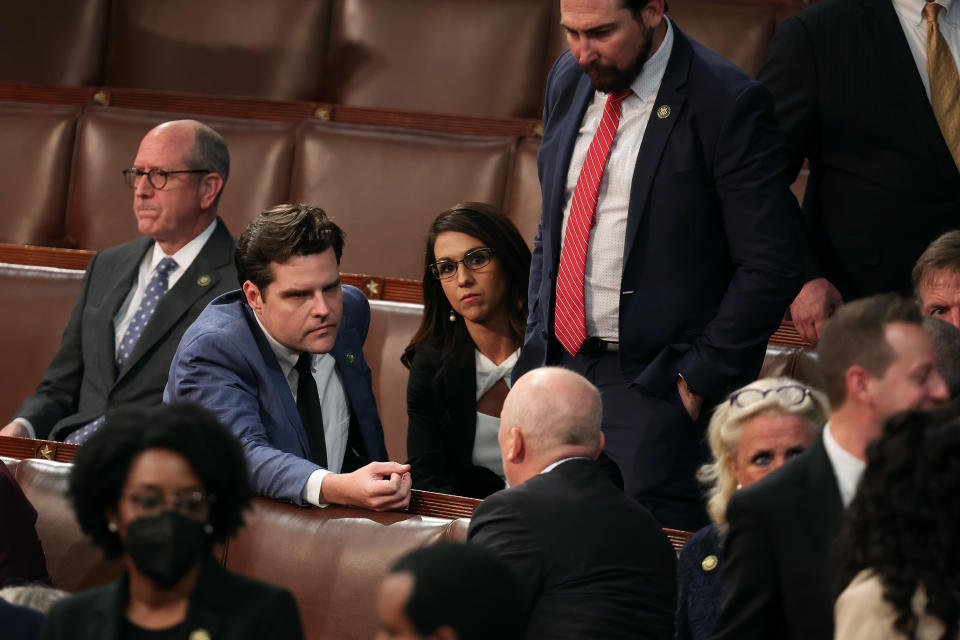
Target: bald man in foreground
<point>590,562</point>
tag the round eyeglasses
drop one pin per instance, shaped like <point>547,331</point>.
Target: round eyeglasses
<point>156,177</point>
<point>190,504</point>
<point>789,395</point>
<point>475,259</point>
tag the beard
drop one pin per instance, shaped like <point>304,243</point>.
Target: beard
<point>609,78</point>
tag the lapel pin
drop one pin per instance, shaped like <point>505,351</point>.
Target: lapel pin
<point>199,634</point>
<point>350,358</point>
<point>709,563</point>
<point>204,280</point>
<point>663,111</point>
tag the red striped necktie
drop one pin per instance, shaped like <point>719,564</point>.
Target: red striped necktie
<point>570,320</point>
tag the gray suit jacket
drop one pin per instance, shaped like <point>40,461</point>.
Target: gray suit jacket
<point>82,381</point>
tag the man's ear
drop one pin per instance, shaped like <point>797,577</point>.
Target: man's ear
<point>210,186</point>
<point>600,445</point>
<point>253,295</point>
<point>859,385</point>
<point>652,14</point>
<point>516,446</point>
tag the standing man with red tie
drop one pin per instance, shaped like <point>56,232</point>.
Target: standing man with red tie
<point>668,247</point>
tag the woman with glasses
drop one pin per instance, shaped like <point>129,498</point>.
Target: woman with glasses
<point>756,430</point>
<point>460,360</point>
<point>158,489</point>
<point>898,548</point>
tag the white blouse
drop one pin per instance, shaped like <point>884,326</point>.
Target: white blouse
<point>486,447</point>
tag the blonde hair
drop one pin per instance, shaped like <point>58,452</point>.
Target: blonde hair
<point>37,596</point>
<point>723,434</point>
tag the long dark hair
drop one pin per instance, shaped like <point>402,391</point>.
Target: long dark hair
<point>485,223</point>
<point>904,522</point>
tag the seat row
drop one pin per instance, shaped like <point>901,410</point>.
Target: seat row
<point>479,57</point>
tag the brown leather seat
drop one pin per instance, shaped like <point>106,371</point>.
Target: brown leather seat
<point>101,204</point>
<point>476,57</point>
<point>42,298</point>
<point>524,203</point>
<point>36,150</point>
<point>739,31</point>
<point>54,43</point>
<point>332,559</point>
<point>269,49</point>
<point>799,363</point>
<point>392,324</point>
<point>72,560</point>
<point>385,186</point>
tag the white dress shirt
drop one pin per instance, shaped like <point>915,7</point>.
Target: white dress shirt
<point>846,467</point>
<point>604,268</point>
<point>486,445</point>
<point>914,23</point>
<point>551,467</point>
<point>334,408</point>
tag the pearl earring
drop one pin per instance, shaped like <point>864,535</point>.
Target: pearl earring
<point>452,316</point>
<point>112,527</point>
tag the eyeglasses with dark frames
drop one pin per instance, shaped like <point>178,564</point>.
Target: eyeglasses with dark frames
<point>157,177</point>
<point>475,259</point>
<point>789,395</point>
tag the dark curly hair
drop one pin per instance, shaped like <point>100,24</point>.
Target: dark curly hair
<point>102,464</point>
<point>485,223</point>
<point>904,522</point>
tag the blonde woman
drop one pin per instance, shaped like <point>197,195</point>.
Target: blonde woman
<point>754,431</point>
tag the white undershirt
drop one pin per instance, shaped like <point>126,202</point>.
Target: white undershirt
<point>604,268</point>
<point>914,23</point>
<point>486,446</point>
<point>847,468</point>
<point>334,408</point>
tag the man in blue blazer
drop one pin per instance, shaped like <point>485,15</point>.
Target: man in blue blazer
<point>280,362</point>
<point>692,251</point>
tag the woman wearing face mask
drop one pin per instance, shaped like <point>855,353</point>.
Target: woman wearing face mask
<point>474,293</point>
<point>756,430</point>
<point>158,489</point>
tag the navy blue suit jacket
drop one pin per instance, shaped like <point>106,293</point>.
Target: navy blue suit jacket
<point>711,257</point>
<point>225,363</point>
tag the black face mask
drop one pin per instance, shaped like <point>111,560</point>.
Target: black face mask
<point>166,546</point>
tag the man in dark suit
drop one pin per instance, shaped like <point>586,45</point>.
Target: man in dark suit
<point>137,299</point>
<point>851,80</point>
<point>280,363</point>
<point>665,256</point>
<point>876,360</point>
<point>590,562</point>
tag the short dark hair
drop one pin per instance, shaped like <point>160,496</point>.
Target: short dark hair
<point>856,335</point>
<point>102,464</point>
<point>903,522</point>
<point>464,587</point>
<point>636,6</point>
<point>941,254</point>
<point>488,225</point>
<point>209,152</point>
<point>281,232</point>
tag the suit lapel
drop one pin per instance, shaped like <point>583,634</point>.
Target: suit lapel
<point>127,269</point>
<point>459,386</point>
<point>889,43</point>
<point>109,610</point>
<point>348,353</point>
<point>672,93</point>
<point>196,281</point>
<point>276,380</point>
<point>819,503</point>
<point>209,601</point>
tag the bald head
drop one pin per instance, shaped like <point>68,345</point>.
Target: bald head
<point>555,413</point>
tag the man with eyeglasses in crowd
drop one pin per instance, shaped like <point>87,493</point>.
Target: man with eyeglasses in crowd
<point>876,360</point>
<point>137,299</point>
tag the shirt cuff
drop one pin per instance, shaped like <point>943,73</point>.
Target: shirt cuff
<point>28,426</point>
<point>312,490</point>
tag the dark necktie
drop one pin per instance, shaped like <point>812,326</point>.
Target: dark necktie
<point>308,404</point>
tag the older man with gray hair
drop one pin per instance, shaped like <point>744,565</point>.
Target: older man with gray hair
<point>590,562</point>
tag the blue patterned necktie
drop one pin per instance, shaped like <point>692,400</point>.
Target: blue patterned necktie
<point>155,290</point>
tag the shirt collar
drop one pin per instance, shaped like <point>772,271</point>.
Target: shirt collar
<point>846,467</point>
<point>647,83</point>
<point>551,467</point>
<point>187,254</point>
<point>912,10</point>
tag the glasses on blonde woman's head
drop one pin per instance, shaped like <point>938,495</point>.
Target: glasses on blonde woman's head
<point>789,395</point>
